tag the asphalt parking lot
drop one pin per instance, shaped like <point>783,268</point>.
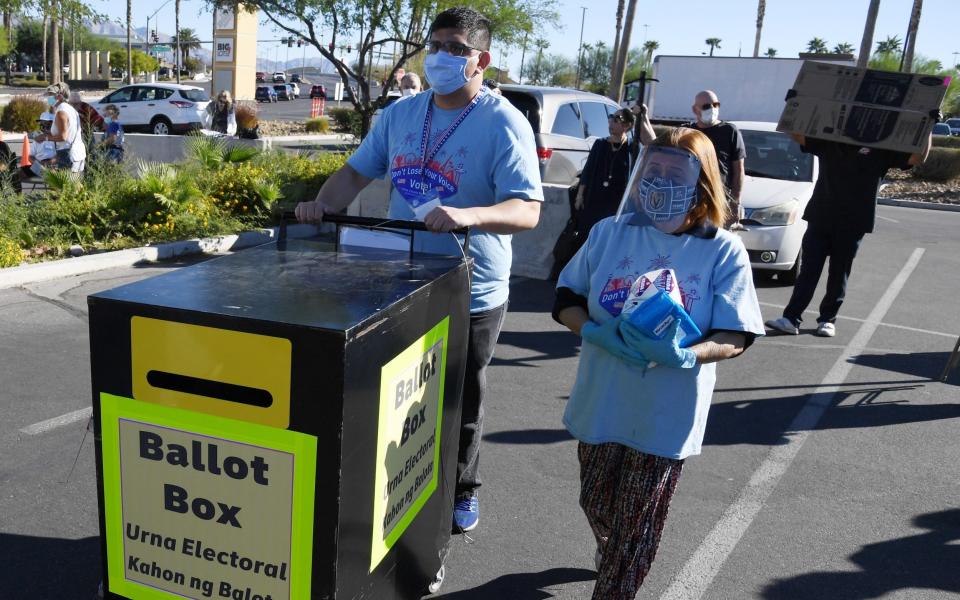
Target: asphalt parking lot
<point>830,466</point>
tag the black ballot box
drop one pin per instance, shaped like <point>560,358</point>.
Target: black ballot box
<point>281,423</point>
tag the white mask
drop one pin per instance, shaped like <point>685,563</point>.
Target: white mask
<point>711,116</point>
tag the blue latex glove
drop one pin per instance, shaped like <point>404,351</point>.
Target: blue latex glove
<point>608,337</point>
<point>666,351</point>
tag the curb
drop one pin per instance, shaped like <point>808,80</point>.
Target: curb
<point>915,204</point>
<point>69,267</point>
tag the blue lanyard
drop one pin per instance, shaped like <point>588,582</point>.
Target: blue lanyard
<point>425,157</point>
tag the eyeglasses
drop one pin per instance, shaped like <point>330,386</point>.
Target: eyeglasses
<point>617,118</point>
<point>450,47</point>
<point>709,105</point>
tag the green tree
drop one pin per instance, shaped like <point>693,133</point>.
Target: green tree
<point>714,43</point>
<point>387,24</point>
<point>843,48</point>
<point>536,75</point>
<point>188,41</point>
<point>817,46</point>
<point>649,47</point>
<point>771,52</point>
<point>891,45</point>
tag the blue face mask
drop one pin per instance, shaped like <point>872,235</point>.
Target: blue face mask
<point>52,100</point>
<point>446,73</point>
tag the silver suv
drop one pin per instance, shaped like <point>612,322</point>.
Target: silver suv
<point>565,122</point>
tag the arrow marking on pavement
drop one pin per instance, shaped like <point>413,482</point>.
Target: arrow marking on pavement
<point>49,424</point>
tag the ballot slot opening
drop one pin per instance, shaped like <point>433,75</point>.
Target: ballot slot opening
<point>219,390</point>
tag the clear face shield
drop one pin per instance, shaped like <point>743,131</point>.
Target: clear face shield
<point>662,189</point>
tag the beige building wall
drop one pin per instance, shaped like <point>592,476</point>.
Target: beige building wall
<point>235,53</point>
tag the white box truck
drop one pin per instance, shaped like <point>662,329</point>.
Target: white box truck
<point>749,89</point>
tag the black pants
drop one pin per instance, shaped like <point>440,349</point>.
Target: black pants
<point>484,331</point>
<point>819,244</point>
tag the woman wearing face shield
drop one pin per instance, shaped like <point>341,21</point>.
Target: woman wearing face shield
<point>639,403</point>
<point>65,131</point>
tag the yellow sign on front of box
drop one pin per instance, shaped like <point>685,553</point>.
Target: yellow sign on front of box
<point>233,374</point>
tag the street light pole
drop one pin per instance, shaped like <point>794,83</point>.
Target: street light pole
<point>583,17</point>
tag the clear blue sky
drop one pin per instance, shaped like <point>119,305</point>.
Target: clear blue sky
<point>681,26</point>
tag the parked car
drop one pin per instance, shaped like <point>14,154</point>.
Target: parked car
<point>279,77</point>
<point>295,78</point>
<point>265,93</point>
<point>159,108</point>
<point>779,182</point>
<point>261,77</point>
<point>318,91</point>
<point>295,88</point>
<point>942,129</point>
<point>284,92</point>
<point>565,124</point>
<point>954,125</point>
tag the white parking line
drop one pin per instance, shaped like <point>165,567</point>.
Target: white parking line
<point>888,219</point>
<point>50,424</point>
<point>945,334</point>
<point>693,580</point>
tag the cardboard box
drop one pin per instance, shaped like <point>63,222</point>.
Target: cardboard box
<point>879,109</point>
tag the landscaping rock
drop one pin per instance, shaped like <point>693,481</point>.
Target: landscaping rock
<point>901,185</point>
<point>76,250</point>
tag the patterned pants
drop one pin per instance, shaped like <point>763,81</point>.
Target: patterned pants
<point>625,495</point>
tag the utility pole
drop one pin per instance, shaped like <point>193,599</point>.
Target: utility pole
<point>583,17</point>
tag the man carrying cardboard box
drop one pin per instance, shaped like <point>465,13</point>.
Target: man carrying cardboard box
<point>839,213</point>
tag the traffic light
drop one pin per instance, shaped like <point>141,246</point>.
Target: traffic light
<point>331,47</point>
<point>349,48</point>
<point>289,41</point>
<point>299,43</point>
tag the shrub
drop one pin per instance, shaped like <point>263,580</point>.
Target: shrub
<point>246,116</point>
<point>21,113</point>
<point>346,119</point>
<point>943,164</point>
<point>10,253</point>
<point>301,177</point>
<point>944,141</point>
<point>318,125</point>
<point>243,189</point>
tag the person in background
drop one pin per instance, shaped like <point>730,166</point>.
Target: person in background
<point>729,146</point>
<point>43,155</point>
<point>410,84</point>
<point>636,421</point>
<point>482,155</point>
<point>494,86</point>
<point>65,131</point>
<point>113,135</point>
<point>840,212</point>
<point>90,119</point>
<point>221,114</point>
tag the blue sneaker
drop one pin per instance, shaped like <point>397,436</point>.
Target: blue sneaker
<point>466,514</point>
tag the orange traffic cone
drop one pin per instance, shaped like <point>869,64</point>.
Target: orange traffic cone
<point>25,156</point>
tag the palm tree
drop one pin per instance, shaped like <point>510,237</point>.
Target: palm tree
<point>187,41</point>
<point>177,54</point>
<point>761,10</point>
<point>868,28</point>
<point>614,68</point>
<point>771,52</point>
<point>616,82</point>
<point>843,48</point>
<point>817,46</point>
<point>912,35</point>
<point>541,44</point>
<point>649,48</point>
<point>891,45</point>
<point>713,43</point>
<point>129,44</point>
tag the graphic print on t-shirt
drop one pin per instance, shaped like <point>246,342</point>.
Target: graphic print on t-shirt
<point>617,288</point>
<point>424,191</point>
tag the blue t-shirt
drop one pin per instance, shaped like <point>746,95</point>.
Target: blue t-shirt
<point>116,129</point>
<point>665,411</point>
<point>489,158</point>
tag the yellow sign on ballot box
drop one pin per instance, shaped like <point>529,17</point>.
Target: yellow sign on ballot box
<point>200,506</point>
